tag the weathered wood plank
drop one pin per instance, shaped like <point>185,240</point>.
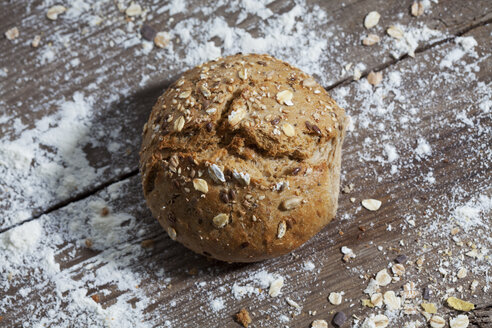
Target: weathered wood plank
<point>117,82</point>
<point>446,106</point>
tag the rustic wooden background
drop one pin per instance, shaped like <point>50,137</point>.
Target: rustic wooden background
<point>28,88</point>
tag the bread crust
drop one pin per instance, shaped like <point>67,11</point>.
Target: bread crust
<point>240,159</point>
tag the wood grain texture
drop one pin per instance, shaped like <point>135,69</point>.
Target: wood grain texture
<point>111,73</point>
<point>459,161</point>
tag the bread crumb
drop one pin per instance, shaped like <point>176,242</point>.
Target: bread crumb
<point>243,317</point>
<point>54,11</point>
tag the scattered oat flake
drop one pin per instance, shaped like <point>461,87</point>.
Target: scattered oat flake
<point>236,116</point>
<point>275,287</point>
<point>381,321</point>
<point>377,299</point>
<point>371,40</point>
<point>367,303</point>
<point>54,11</point>
<point>162,39</point>
<point>429,307</point>
<point>371,19</point>
<point>459,305</point>
<point>391,300</point>
<point>398,269</point>
<point>461,321</point>
<point>462,272</point>
<point>437,321</point>
<point>383,278</point>
<point>372,287</point>
<point>409,290</point>
<point>288,129</point>
<point>12,33</point>
<point>220,220</point>
<point>375,78</point>
<point>335,298</point>
<point>395,32</point>
<point>134,9</point>
<point>200,185</point>
<point>285,97</point>
<point>319,324</point>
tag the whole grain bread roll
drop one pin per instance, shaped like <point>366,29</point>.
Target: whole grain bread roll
<point>241,158</point>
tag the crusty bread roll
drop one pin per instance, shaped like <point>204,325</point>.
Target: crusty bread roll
<point>241,158</point>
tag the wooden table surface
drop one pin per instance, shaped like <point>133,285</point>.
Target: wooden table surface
<point>436,116</point>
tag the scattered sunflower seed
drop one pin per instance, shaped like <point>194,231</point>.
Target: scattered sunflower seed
<point>371,19</point>
<point>216,173</point>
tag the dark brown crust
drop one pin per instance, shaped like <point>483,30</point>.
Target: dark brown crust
<point>290,151</point>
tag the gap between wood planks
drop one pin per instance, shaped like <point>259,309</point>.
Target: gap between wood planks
<point>343,81</point>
